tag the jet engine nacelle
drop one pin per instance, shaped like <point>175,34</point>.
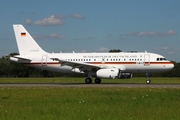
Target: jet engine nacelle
<point>107,73</point>
<point>112,73</point>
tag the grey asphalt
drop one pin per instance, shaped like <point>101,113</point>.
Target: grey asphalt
<point>89,85</point>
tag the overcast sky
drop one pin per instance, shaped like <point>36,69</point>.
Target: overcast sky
<point>94,25</point>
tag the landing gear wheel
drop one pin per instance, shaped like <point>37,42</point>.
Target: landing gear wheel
<point>148,81</point>
<point>97,80</point>
<point>88,80</point>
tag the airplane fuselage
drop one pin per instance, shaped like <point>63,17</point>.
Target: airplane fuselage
<point>140,62</point>
<point>101,65</point>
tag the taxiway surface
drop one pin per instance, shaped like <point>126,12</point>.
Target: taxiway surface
<point>89,85</point>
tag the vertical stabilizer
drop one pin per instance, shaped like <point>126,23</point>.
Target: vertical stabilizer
<point>26,44</point>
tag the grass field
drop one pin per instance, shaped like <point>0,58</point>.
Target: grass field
<point>79,103</point>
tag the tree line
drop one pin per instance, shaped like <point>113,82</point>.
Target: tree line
<point>9,68</point>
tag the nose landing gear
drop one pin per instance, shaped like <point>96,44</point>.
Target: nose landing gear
<point>148,81</point>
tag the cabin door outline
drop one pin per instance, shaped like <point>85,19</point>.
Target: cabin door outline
<point>146,59</point>
<point>44,60</point>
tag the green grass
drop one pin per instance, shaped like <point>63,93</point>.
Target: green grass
<point>74,103</point>
<point>81,80</point>
<point>91,103</point>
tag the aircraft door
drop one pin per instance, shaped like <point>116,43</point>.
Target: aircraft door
<point>44,60</point>
<point>146,60</point>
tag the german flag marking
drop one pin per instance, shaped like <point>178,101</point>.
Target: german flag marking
<point>23,34</point>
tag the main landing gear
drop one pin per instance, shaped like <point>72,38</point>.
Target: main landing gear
<point>148,81</point>
<point>88,80</point>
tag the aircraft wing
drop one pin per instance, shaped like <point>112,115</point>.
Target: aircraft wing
<point>73,64</point>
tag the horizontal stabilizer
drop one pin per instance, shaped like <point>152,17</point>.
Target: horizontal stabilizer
<point>22,57</point>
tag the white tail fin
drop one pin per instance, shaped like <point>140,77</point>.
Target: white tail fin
<point>26,44</point>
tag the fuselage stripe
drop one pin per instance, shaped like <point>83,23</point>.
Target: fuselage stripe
<point>43,63</point>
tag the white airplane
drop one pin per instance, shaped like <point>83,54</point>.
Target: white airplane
<point>101,65</point>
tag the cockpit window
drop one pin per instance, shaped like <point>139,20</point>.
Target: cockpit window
<point>161,59</point>
<point>164,58</point>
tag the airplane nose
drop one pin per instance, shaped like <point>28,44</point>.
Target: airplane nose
<point>171,66</point>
